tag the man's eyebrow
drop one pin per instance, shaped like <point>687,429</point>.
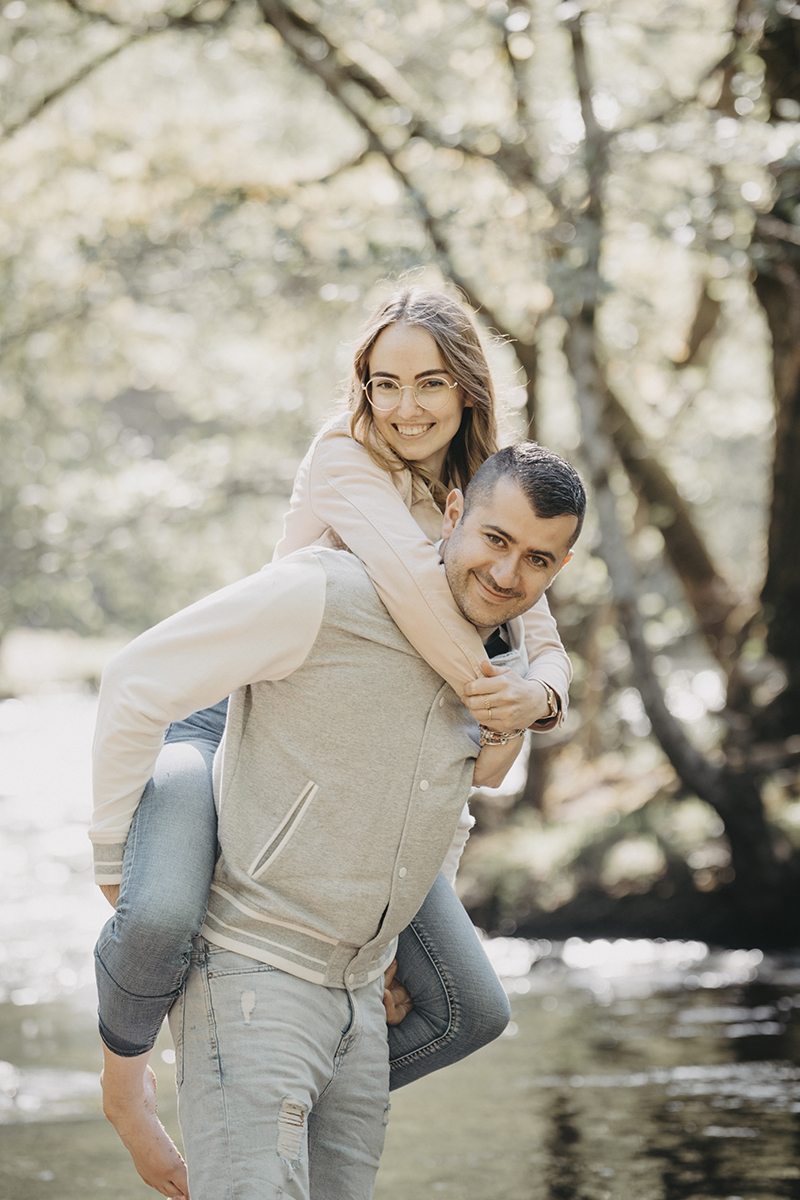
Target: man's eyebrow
<point>509,538</point>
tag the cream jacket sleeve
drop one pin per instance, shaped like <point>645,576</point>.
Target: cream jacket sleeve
<point>391,529</point>
<point>260,628</point>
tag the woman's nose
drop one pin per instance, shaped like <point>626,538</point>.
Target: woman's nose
<point>409,405</point>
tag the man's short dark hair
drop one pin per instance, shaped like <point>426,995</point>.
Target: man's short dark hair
<point>552,487</point>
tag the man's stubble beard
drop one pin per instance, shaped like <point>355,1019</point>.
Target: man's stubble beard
<point>459,580</point>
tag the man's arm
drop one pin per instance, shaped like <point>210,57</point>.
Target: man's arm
<point>494,762</point>
<point>260,628</point>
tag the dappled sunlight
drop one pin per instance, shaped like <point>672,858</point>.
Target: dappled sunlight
<point>198,205</point>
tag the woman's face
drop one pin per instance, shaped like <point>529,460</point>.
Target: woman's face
<point>407,354</point>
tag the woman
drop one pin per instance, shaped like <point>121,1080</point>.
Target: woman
<point>421,422</point>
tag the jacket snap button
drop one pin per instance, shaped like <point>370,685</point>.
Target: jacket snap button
<point>402,872</point>
<point>423,785</point>
<point>351,978</point>
<point>441,701</point>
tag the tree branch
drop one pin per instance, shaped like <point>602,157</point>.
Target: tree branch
<point>57,92</point>
<point>135,34</point>
<point>772,229</point>
<point>44,321</point>
<point>708,592</point>
<point>596,141</point>
<point>746,33</point>
<point>360,66</point>
<point>157,22</point>
<point>332,77</point>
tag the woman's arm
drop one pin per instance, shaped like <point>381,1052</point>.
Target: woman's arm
<point>339,487</point>
<point>519,703</point>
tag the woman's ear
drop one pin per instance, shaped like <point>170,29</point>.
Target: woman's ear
<point>453,511</point>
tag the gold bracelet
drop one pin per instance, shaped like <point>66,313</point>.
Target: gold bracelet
<point>553,705</point>
<point>488,737</point>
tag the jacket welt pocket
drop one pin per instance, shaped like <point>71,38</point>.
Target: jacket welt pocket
<point>280,837</point>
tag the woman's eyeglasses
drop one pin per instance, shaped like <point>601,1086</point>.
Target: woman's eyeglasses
<point>431,393</point>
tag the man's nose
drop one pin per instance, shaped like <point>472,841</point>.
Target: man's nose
<point>505,572</point>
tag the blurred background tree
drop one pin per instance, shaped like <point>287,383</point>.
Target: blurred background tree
<point>199,201</point>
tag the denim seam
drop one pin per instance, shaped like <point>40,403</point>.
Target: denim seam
<point>179,1048</point>
<point>212,1030</point>
<point>345,1042</point>
<point>452,1005</point>
<point>129,849</point>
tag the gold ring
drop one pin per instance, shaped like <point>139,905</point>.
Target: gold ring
<point>488,708</point>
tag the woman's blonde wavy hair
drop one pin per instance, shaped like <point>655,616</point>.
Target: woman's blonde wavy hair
<point>452,329</point>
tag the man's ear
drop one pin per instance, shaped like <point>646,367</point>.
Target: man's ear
<point>564,562</point>
<point>453,512</point>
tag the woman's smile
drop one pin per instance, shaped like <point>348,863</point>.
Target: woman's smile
<point>412,430</point>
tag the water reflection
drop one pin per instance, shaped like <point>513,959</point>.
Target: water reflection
<point>632,1070</point>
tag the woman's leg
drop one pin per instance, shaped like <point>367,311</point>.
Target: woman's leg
<point>459,1003</point>
<point>143,951</point>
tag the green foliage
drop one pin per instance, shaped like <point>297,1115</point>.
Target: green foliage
<point>197,203</point>
<point>192,228</point>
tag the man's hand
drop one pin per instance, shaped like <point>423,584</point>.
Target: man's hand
<point>513,702</point>
<point>396,1000</point>
<point>111,892</point>
<point>494,762</point>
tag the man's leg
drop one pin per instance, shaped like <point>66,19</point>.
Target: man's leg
<point>257,1049</point>
<point>347,1126</point>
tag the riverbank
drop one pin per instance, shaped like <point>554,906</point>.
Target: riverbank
<point>632,1070</point>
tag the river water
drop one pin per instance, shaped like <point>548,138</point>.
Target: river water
<point>631,1071</point>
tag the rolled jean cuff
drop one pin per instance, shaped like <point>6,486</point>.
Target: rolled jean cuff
<point>149,1013</point>
<point>119,1047</point>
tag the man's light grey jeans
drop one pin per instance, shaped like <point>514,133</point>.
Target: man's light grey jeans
<point>283,1085</point>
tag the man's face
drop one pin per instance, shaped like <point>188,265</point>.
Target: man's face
<point>500,557</point>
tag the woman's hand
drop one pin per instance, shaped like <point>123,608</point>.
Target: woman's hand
<point>513,702</point>
<point>494,762</point>
<point>396,1000</point>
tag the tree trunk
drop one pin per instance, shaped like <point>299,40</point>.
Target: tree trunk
<point>709,594</point>
<point>537,777</point>
<point>776,254</point>
<point>779,292</point>
<point>733,794</point>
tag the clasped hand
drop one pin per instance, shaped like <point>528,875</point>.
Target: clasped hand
<point>503,701</point>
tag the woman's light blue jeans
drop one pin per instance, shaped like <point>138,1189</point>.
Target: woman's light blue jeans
<point>143,952</point>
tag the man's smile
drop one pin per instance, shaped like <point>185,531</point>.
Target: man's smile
<point>495,594</point>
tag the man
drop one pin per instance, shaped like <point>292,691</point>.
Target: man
<point>344,769</point>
